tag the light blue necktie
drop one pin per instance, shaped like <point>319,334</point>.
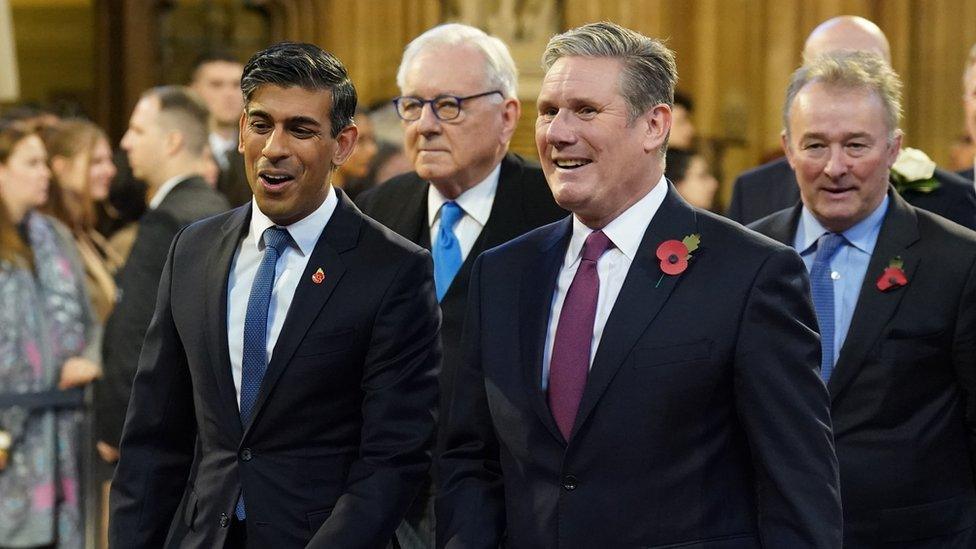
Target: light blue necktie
<point>254,361</point>
<point>447,249</point>
<point>822,287</point>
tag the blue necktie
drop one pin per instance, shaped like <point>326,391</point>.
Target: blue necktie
<point>447,249</point>
<point>822,287</point>
<point>254,361</point>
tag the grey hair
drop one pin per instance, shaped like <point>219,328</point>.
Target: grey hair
<point>854,70</point>
<point>649,72</point>
<point>970,63</point>
<point>500,71</point>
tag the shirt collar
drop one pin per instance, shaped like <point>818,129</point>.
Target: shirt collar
<point>165,189</point>
<point>476,201</point>
<point>863,235</point>
<point>220,145</point>
<point>627,230</point>
<point>304,232</point>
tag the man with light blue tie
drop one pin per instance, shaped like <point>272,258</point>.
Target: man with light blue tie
<point>894,289</point>
<point>459,108</point>
<point>286,391</point>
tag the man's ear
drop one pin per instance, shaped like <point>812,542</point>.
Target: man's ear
<point>240,132</point>
<point>173,142</point>
<point>345,144</point>
<point>784,141</point>
<point>511,112</point>
<point>656,123</point>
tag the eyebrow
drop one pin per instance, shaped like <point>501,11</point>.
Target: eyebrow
<point>818,135</point>
<point>293,120</point>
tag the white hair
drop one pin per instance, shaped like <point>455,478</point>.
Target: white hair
<point>500,71</point>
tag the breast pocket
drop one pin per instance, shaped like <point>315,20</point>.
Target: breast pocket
<point>327,343</point>
<point>655,356</point>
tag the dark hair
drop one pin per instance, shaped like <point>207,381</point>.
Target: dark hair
<point>290,64</point>
<point>684,100</point>
<point>182,110</point>
<point>211,56</point>
<point>676,162</point>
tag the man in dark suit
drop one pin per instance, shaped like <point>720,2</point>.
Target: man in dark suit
<point>295,341</point>
<point>894,287</point>
<point>166,137</point>
<point>641,373</point>
<point>216,77</point>
<point>772,186</point>
<point>459,161</point>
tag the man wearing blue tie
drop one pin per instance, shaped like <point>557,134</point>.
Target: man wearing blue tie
<point>459,107</point>
<point>894,289</point>
<point>286,389</point>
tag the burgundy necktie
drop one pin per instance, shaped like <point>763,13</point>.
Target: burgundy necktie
<point>570,361</point>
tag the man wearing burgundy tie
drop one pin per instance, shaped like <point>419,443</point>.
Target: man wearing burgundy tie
<point>895,294</point>
<point>641,373</point>
<point>286,388</point>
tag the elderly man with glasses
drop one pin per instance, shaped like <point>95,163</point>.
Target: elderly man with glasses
<point>468,193</point>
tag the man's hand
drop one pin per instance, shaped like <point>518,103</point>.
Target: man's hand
<point>108,452</point>
<point>78,372</point>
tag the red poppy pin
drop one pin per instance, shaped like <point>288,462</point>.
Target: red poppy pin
<point>894,276</point>
<point>675,254</point>
<point>319,276</point>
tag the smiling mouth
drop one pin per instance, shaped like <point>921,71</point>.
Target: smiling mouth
<point>571,164</point>
<point>275,182</point>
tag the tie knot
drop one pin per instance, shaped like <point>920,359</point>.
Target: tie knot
<point>451,213</point>
<point>277,238</point>
<point>827,246</point>
<point>595,245</point>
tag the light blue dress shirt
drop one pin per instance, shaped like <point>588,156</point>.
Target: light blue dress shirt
<point>849,265</point>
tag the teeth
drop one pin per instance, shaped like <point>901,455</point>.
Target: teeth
<point>276,178</point>
<point>571,163</point>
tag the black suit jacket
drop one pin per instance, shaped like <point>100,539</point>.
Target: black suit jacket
<point>704,422</point>
<point>966,174</point>
<point>339,437</point>
<point>771,187</point>
<point>189,201</point>
<point>523,202</point>
<point>232,181</point>
<point>904,380</point>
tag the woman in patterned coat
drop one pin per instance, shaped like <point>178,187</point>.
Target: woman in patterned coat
<point>46,341</point>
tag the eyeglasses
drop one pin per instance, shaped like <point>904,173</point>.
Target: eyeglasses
<point>445,107</point>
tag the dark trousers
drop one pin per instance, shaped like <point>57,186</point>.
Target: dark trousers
<point>237,535</point>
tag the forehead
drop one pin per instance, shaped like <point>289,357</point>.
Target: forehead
<point>833,109</point>
<point>438,69</point>
<point>30,145</point>
<point>582,77</point>
<point>146,110</point>
<point>279,103</point>
<point>219,70</point>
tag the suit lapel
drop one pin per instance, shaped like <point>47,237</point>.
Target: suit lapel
<point>640,299</point>
<point>339,235</point>
<point>874,307</point>
<point>218,270</point>
<point>536,288</point>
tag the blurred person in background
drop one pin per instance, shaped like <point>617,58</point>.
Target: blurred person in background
<point>969,107</point>
<point>81,165</point>
<point>216,78</point>
<point>353,176</point>
<point>692,177</point>
<point>47,343</point>
<point>683,131</point>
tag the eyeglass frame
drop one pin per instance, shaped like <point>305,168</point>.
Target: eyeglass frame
<point>460,102</point>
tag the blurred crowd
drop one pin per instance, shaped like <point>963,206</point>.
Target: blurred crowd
<point>85,227</point>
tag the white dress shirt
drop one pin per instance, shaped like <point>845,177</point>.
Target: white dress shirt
<point>626,232</point>
<point>291,265</point>
<point>476,203</point>
<point>219,145</point>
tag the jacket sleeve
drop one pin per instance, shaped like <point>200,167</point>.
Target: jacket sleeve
<point>785,409</point>
<point>158,438</point>
<point>470,506</point>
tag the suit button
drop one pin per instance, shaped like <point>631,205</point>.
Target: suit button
<point>569,483</point>
<point>224,520</point>
<point>246,454</point>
